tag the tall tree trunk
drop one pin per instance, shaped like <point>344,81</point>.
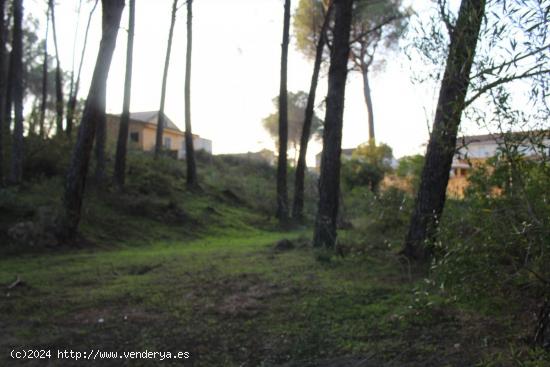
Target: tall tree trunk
<point>282,191</point>
<point>100,141</point>
<point>93,110</point>
<point>2,84</point>
<point>9,79</point>
<point>58,77</point>
<point>329,182</point>
<point>160,120</point>
<point>71,105</point>
<point>189,149</point>
<point>72,80</point>
<point>430,199</point>
<point>298,205</point>
<point>16,70</point>
<point>122,142</point>
<point>44,99</point>
<point>9,97</point>
<point>368,101</point>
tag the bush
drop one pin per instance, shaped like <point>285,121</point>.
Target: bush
<point>497,241</point>
<point>162,176</point>
<point>369,164</point>
<point>45,158</point>
<point>410,168</point>
<point>356,173</point>
<point>380,220</point>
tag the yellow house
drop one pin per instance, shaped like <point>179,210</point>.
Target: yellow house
<point>473,151</point>
<point>142,133</point>
<point>458,178</point>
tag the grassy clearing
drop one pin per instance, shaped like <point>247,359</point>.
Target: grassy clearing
<point>230,301</point>
<point>164,269</point>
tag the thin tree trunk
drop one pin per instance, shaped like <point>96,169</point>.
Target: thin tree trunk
<point>296,154</point>
<point>16,70</point>
<point>430,199</point>
<point>189,149</point>
<point>9,97</point>
<point>34,116</point>
<point>160,120</point>
<point>368,101</point>
<point>122,142</point>
<point>100,141</point>
<point>73,96</point>
<point>58,77</point>
<point>9,81</point>
<point>43,102</point>
<point>2,85</point>
<point>298,205</point>
<point>71,81</point>
<point>282,191</point>
<point>329,182</point>
<point>93,110</point>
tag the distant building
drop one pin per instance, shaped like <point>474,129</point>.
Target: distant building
<point>142,132</point>
<point>474,150</point>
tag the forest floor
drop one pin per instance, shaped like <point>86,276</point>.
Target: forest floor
<point>232,300</point>
<point>163,269</point>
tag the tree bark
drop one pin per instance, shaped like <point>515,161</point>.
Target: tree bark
<point>72,80</point>
<point>282,191</point>
<point>9,97</point>
<point>160,120</point>
<point>189,149</point>
<point>430,199</point>
<point>7,117</point>
<point>100,141</point>
<point>329,182</point>
<point>71,105</point>
<point>44,100</point>
<point>93,110</point>
<point>2,85</point>
<point>122,142</point>
<point>16,70</point>
<point>58,77</point>
<point>368,101</point>
<point>298,205</point>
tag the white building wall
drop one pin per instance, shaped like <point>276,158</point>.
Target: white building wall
<point>198,144</point>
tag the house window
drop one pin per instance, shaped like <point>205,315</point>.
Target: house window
<point>134,137</point>
<point>167,142</point>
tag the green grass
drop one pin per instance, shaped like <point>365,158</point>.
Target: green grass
<point>165,269</point>
<point>227,299</point>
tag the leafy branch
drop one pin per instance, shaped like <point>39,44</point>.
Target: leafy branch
<point>487,87</point>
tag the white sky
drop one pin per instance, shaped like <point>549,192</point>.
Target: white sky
<point>235,73</point>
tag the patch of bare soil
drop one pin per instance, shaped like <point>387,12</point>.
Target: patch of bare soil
<point>240,296</point>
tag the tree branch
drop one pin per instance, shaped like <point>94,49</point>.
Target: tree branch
<point>377,27</point>
<point>445,17</point>
<point>498,82</point>
<point>513,61</point>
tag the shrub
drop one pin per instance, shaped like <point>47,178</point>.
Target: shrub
<point>380,220</point>
<point>45,158</point>
<point>410,168</point>
<point>356,173</point>
<point>162,176</point>
<point>497,242</point>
